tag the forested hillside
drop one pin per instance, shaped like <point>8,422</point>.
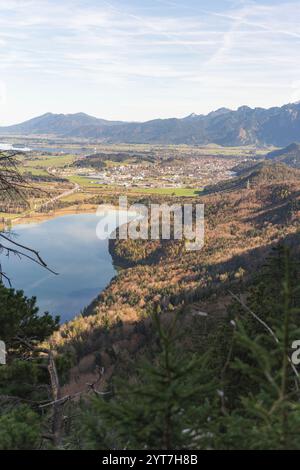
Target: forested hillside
<point>184,349</point>
<point>289,155</point>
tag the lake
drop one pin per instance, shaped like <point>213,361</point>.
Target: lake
<point>70,246</point>
<point>5,146</point>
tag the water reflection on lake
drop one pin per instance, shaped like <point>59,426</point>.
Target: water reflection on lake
<point>70,246</point>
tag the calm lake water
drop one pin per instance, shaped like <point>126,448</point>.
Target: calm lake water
<point>70,246</point>
<point>56,150</point>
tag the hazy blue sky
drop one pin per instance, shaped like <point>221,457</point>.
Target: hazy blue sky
<point>140,59</point>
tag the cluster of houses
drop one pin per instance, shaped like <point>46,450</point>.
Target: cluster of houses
<point>195,172</point>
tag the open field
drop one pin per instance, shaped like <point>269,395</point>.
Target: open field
<point>34,171</point>
<point>84,182</point>
<point>184,192</point>
<point>49,162</point>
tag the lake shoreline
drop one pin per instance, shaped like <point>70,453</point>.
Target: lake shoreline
<point>39,217</point>
<point>65,239</point>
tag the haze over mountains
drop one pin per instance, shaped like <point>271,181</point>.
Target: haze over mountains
<point>277,126</point>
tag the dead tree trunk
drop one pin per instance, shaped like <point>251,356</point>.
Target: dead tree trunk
<point>57,419</point>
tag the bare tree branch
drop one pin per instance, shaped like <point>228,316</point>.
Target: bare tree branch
<point>268,329</point>
<point>254,316</point>
<point>13,184</point>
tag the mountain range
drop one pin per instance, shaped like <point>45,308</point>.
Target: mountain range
<point>276,126</point>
